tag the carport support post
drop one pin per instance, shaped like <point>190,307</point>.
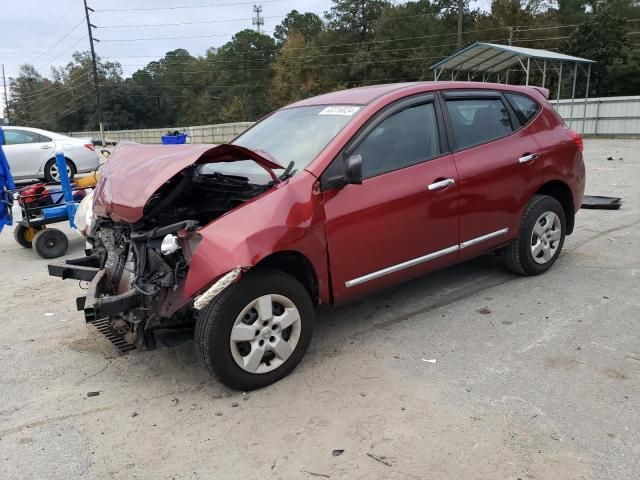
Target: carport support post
<point>573,92</point>
<point>586,101</point>
<point>65,183</point>
<point>528,68</point>
<point>559,87</point>
<point>544,73</point>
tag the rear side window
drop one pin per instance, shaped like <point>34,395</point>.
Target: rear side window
<point>524,106</point>
<point>17,137</point>
<point>477,121</point>
<point>403,139</point>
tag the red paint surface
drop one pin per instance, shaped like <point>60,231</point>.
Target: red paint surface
<point>359,229</point>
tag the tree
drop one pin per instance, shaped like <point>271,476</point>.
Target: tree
<point>356,16</point>
<point>602,39</point>
<point>309,25</point>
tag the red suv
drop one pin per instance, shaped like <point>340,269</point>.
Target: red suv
<point>322,201</point>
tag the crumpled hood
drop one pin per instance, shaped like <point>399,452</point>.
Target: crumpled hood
<point>134,172</point>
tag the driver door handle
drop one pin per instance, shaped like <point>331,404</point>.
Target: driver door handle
<point>439,185</point>
<point>529,157</point>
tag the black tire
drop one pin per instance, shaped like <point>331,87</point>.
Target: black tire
<point>49,177</point>
<point>214,324</point>
<point>517,256</point>
<point>50,243</point>
<point>25,235</point>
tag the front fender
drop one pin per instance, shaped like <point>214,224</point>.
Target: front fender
<point>289,219</point>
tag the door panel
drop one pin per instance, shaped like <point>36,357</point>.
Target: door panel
<point>497,178</point>
<point>373,228</point>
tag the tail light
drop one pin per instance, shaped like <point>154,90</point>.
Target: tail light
<point>90,146</point>
<point>577,139</point>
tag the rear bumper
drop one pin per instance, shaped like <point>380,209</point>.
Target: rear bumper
<point>95,303</point>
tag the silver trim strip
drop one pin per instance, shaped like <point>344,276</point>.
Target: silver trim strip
<point>488,236</point>
<point>400,266</point>
<point>425,258</point>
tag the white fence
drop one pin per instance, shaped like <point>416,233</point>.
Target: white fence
<point>220,133</point>
<point>614,116</point>
<point>610,116</point>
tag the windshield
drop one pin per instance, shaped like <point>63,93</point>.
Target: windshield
<point>298,134</point>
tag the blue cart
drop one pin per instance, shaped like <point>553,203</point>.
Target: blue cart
<point>32,230</point>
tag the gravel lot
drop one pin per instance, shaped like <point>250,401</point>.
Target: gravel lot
<point>526,378</point>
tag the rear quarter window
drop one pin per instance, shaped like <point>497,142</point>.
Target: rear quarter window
<point>524,106</point>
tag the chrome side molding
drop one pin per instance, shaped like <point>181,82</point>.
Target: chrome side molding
<point>425,258</point>
<point>483,238</point>
<point>400,266</point>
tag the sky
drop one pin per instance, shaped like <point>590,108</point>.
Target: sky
<point>45,33</point>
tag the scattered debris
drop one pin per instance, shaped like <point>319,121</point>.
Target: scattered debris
<point>555,436</point>
<point>93,394</point>
<point>601,203</point>
<point>382,460</point>
<point>314,474</point>
<point>235,404</point>
<point>134,414</point>
<point>49,314</point>
<point>362,394</point>
<point>219,414</point>
<point>174,402</point>
<point>245,396</point>
<point>396,356</point>
<point>578,347</point>
<point>402,408</point>
<point>431,360</point>
<point>337,452</point>
<point>507,322</point>
<point>484,311</point>
<point>610,158</point>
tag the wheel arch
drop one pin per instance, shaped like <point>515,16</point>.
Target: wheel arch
<point>298,266</point>
<point>562,193</point>
<point>74,167</point>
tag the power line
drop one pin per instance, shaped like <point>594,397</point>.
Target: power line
<point>179,7</point>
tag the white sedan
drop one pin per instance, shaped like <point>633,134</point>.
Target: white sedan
<point>31,153</point>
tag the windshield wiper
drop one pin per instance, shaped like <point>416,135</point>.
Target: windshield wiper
<point>288,172</point>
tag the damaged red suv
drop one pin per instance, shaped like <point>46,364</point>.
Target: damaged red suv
<point>322,201</point>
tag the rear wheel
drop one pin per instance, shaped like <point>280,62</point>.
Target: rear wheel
<point>50,243</point>
<point>52,174</point>
<point>541,237</point>
<point>24,235</point>
<point>256,331</point>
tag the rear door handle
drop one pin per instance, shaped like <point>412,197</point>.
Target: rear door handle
<point>441,184</point>
<point>46,147</point>
<point>529,157</point>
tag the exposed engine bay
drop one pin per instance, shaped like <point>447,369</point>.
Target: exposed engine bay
<point>137,270</point>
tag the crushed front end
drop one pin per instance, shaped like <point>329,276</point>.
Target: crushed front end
<point>135,280</point>
<point>148,208</point>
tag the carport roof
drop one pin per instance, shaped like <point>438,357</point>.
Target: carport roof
<point>492,57</point>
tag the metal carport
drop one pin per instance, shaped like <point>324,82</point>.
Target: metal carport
<point>494,61</point>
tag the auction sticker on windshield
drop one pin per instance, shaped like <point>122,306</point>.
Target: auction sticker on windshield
<point>345,110</point>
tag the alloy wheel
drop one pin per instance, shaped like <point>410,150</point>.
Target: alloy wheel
<point>265,334</point>
<point>545,237</point>
<point>55,173</point>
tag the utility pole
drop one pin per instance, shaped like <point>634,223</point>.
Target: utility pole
<point>96,82</point>
<point>6,101</point>
<point>460,17</point>
<point>258,20</point>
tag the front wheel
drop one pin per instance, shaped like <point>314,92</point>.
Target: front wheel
<point>50,243</point>
<point>540,240</point>
<point>256,331</point>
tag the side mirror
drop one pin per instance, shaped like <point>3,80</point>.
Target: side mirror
<point>353,170</point>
